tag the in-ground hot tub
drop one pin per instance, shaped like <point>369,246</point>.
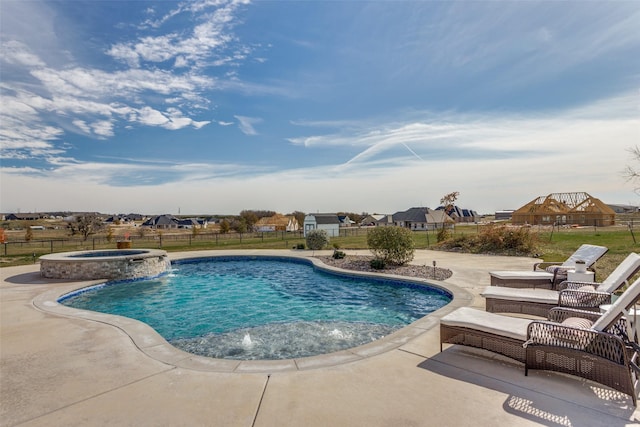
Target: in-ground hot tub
<point>112,264</point>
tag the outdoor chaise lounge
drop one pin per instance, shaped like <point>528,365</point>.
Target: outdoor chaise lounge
<point>590,345</point>
<point>583,295</point>
<point>547,274</point>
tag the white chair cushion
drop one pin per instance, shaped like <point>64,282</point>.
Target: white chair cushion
<point>521,275</point>
<point>466,317</point>
<point>545,296</point>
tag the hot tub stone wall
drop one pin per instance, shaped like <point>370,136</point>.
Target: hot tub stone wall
<point>105,267</point>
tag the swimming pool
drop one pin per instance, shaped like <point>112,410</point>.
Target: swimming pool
<point>251,308</point>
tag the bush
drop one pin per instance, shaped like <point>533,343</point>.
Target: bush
<point>443,234</point>
<point>299,246</point>
<point>392,245</point>
<point>338,254</point>
<point>317,239</point>
<point>496,239</point>
<point>377,264</point>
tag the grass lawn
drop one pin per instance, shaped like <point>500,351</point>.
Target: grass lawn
<point>554,245</point>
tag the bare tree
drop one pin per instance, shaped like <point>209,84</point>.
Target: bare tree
<point>630,172</point>
<point>448,202</point>
<point>85,225</point>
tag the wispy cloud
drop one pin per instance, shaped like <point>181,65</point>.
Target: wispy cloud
<point>205,45</point>
<point>246,124</point>
<point>481,135</point>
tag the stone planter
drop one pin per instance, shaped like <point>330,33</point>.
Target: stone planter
<point>125,244</point>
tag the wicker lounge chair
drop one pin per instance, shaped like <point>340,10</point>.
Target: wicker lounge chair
<point>601,351</point>
<point>547,274</point>
<point>583,295</point>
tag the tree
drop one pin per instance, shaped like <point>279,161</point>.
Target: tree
<point>239,225</point>
<point>448,203</point>
<point>392,245</point>
<point>85,225</point>
<point>224,226</point>
<point>249,218</point>
<point>631,172</point>
<point>28,235</point>
<point>317,239</point>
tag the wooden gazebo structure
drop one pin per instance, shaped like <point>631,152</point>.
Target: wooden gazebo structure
<point>565,208</point>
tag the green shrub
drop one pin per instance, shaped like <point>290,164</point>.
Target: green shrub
<point>377,264</point>
<point>392,245</point>
<point>338,254</point>
<point>299,246</point>
<point>317,239</point>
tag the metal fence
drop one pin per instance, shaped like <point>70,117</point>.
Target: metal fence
<point>39,247</point>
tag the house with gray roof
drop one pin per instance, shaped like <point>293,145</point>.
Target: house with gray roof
<point>459,214</point>
<point>162,222</point>
<point>416,219</point>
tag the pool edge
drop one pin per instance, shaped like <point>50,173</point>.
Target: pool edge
<point>148,341</point>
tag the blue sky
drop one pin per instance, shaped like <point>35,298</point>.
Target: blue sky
<point>219,106</point>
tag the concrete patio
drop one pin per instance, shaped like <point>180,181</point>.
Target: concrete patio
<point>88,369</point>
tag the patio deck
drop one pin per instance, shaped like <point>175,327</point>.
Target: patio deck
<point>62,370</point>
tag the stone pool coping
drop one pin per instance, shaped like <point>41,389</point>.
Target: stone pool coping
<point>155,346</point>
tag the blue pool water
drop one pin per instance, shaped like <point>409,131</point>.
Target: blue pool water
<point>247,308</point>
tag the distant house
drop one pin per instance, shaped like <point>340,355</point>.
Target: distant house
<point>417,219</point>
<point>189,223</point>
<point>277,222</point>
<point>371,220</point>
<point>327,222</point>
<point>345,221</point>
<point>503,214</point>
<point>162,222</point>
<point>24,216</point>
<point>624,209</point>
<point>459,214</point>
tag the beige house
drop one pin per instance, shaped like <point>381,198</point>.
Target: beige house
<point>278,222</point>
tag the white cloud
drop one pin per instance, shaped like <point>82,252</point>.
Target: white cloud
<point>17,53</point>
<point>204,43</point>
<point>151,117</point>
<point>82,125</point>
<point>103,128</point>
<point>246,124</point>
<point>92,100</point>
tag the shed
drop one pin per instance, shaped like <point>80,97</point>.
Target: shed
<point>327,222</point>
